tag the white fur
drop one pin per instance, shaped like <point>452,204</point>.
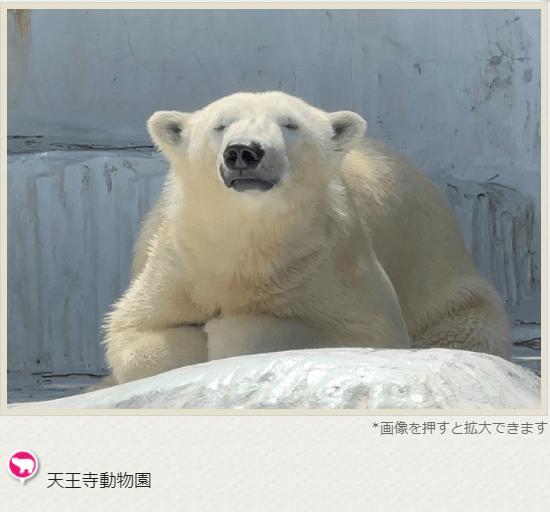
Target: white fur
<point>354,246</point>
<point>237,335</point>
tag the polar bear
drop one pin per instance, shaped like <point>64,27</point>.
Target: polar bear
<point>281,227</point>
<point>24,465</point>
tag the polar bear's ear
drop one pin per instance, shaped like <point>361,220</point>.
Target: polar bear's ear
<point>347,127</point>
<point>167,129</point>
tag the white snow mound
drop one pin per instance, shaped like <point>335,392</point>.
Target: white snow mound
<point>348,378</point>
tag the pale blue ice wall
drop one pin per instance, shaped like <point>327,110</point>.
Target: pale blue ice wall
<point>458,91</point>
<point>447,87</point>
<point>72,221</point>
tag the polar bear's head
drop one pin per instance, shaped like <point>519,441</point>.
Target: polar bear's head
<point>256,144</point>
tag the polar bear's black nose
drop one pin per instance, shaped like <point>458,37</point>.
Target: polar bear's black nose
<point>241,169</point>
<point>243,157</point>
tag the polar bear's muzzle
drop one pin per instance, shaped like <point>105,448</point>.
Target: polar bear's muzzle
<point>243,168</point>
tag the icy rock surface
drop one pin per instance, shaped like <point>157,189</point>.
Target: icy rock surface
<point>326,379</point>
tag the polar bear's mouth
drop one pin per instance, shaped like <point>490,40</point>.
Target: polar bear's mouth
<point>245,184</point>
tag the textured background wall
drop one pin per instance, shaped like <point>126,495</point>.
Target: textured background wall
<point>456,91</point>
<point>72,221</point>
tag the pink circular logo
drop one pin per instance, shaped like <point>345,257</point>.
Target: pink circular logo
<point>22,465</point>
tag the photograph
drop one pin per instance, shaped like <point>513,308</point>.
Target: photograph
<point>275,208</point>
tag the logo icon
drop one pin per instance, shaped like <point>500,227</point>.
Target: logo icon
<point>23,465</point>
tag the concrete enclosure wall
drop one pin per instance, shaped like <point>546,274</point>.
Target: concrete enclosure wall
<point>74,216</point>
<point>458,91</point>
<point>72,221</point>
